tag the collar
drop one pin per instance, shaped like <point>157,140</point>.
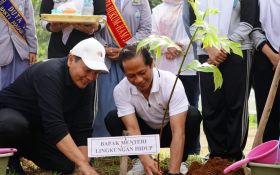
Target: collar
<point>155,85</point>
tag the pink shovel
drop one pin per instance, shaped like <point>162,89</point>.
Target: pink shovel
<point>264,153</point>
<point>7,150</point>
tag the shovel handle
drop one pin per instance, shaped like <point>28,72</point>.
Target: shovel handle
<point>236,165</point>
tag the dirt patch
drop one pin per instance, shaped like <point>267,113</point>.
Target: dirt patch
<point>213,166</point>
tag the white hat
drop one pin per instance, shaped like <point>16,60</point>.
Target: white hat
<point>92,53</point>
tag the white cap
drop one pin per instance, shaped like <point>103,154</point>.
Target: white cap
<point>92,53</point>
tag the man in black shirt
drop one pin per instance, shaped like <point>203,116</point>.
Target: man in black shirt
<point>47,112</point>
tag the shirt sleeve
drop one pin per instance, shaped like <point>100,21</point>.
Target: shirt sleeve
<point>257,35</point>
<point>179,102</point>
<point>46,8</point>
<point>123,102</point>
<point>247,20</point>
<point>100,9</point>
<point>81,128</point>
<point>49,91</point>
<point>30,31</point>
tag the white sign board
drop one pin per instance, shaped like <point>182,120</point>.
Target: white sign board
<point>123,145</point>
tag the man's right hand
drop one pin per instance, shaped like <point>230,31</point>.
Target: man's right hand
<point>150,165</point>
<point>85,170</point>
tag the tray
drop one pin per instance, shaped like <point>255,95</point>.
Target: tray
<point>67,18</point>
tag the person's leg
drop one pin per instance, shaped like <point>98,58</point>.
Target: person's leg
<point>11,71</point>
<point>192,129</point>
<point>213,112</point>
<point>262,74</point>
<point>236,84</point>
<point>13,128</point>
<point>46,155</point>
<point>191,85</point>
<point>116,127</point>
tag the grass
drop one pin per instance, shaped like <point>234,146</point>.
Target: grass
<point>112,164</point>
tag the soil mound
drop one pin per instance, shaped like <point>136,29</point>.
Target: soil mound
<point>213,166</point>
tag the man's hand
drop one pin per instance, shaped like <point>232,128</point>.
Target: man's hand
<point>57,27</point>
<point>172,53</point>
<point>150,165</point>
<point>113,53</point>
<point>32,58</point>
<point>85,169</point>
<point>87,28</point>
<point>216,56</point>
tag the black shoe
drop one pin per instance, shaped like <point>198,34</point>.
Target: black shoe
<point>14,166</point>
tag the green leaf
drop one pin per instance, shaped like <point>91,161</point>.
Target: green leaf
<point>205,67</point>
<point>158,54</point>
<point>236,48</point>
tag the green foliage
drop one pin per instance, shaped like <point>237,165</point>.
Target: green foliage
<point>208,33</point>
<point>205,67</point>
<point>42,35</point>
<point>205,32</point>
<point>155,43</point>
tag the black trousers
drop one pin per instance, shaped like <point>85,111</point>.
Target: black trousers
<point>225,111</point>
<point>116,127</point>
<point>16,131</point>
<point>191,85</point>
<point>262,74</point>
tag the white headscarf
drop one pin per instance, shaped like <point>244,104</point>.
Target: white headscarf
<point>270,20</point>
<point>168,19</point>
<point>222,19</point>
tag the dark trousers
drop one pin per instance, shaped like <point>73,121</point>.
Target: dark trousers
<point>191,85</point>
<point>225,111</point>
<point>116,127</point>
<point>16,131</point>
<point>262,74</point>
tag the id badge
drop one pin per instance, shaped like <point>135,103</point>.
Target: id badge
<point>136,2</point>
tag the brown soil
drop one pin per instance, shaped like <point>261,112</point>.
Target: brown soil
<point>213,166</point>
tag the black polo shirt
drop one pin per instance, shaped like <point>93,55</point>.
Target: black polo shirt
<point>46,95</point>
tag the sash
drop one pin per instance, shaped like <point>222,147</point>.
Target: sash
<point>116,24</point>
<point>13,17</point>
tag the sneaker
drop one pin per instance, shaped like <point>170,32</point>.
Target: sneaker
<point>183,168</point>
<point>137,168</point>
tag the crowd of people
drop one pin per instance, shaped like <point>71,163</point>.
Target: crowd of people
<point>95,84</point>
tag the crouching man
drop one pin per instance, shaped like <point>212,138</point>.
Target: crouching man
<point>47,112</point>
<point>141,99</point>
